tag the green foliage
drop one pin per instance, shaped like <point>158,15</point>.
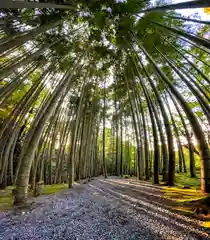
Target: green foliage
<point>184,180</point>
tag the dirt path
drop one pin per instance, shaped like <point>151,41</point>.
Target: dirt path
<point>102,209</point>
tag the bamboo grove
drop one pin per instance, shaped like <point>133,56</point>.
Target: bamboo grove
<point>95,88</point>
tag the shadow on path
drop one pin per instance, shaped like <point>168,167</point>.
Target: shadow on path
<point>142,201</point>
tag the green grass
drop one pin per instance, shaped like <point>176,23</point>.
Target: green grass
<point>6,197</point>
<point>125,176</point>
<point>184,180</point>
<point>186,201</point>
<point>180,195</point>
<point>52,189</point>
<point>6,202</point>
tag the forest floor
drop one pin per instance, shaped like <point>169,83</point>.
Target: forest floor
<point>112,208</point>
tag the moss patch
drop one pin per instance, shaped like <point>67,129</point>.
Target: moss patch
<point>184,180</point>
<point>187,198</point>
<point>6,203</point>
<point>189,202</point>
<point>52,189</point>
<point>206,224</point>
<point>6,197</point>
<point>183,195</point>
<point>125,176</point>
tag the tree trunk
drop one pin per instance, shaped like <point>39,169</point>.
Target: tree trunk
<point>204,148</point>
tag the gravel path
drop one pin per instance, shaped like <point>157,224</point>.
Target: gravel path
<point>101,209</point>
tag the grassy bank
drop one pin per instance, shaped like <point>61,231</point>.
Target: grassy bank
<point>6,196</point>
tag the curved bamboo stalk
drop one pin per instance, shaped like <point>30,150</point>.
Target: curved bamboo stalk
<point>139,159</point>
<point>181,154</point>
<point>82,141</point>
<point>204,104</point>
<point>21,5</point>
<point>196,84</point>
<point>104,132</point>
<point>189,138</point>
<point>27,158</point>
<point>199,40</point>
<point>156,145</point>
<point>162,137</point>
<point>171,151</point>
<point>117,126</point>
<point>205,156</point>
<point>188,19</point>
<point>74,138</point>
<point>7,89</point>
<point>36,88</point>
<point>8,70</point>
<point>13,128</point>
<point>19,162</point>
<point>142,124</point>
<point>29,36</point>
<point>181,5</point>
<point>191,63</point>
<point>139,125</point>
<point>192,43</point>
<point>155,134</point>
